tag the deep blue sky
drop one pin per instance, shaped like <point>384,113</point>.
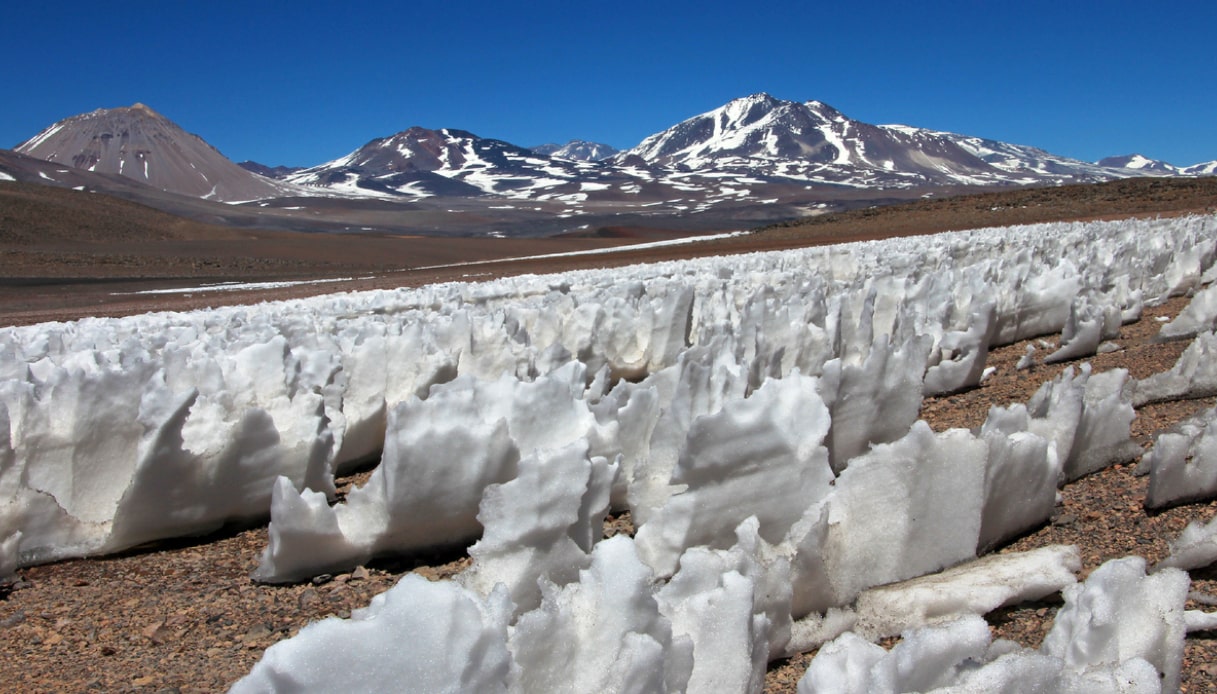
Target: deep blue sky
<point>303,82</point>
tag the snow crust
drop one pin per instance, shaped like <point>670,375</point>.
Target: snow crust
<point>755,414</point>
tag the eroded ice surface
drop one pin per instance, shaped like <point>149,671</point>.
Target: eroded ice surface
<point>1121,630</point>
<point>1182,463</point>
<point>303,388</point>
<point>755,414</point>
<point>1200,315</point>
<point>1194,375</point>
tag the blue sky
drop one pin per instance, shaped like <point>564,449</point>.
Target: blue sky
<point>303,82</point>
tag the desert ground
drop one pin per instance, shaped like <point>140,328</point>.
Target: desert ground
<point>184,616</point>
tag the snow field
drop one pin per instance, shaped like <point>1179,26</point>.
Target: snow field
<point>756,414</point>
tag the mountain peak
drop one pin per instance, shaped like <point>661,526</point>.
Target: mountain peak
<point>141,144</point>
<point>576,150</point>
<point>762,97</point>
<point>1136,162</point>
<point>143,108</point>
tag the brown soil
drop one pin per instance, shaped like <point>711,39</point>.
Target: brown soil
<point>89,252</point>
<point>184,616</point>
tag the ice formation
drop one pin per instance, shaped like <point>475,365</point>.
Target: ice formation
<point>306,388</point>
<point>978,587</point>
<point>755,414</point>
<point>1195,548</point>
<point>1182,464</point>
<point>457,643</point>
<point>1121,630</point>
<point>1194,375</point>
<point>1200,315</point>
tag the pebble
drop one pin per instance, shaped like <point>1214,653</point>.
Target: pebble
<point>13,619</point>
<point>308,599</point>
<point>256,633</point>
<point>1065,519</point>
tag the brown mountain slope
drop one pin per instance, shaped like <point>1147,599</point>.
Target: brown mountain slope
<point>143,145</point>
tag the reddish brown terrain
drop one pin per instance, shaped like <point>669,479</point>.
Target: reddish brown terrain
<point>65,254</point>
<point>184,616</point>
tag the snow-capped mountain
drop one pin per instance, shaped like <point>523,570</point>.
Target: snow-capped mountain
<point>1208,168</point>
<point>814,142</point>
<point>141,144</point>
<point>577,150</point>
<point>420,162</point>
<point>750,149</point>
<point>1022,162</point>
<point>1145,165</point>
<point>1138,163</point>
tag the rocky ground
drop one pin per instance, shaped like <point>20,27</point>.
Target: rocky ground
<point>183,616</point>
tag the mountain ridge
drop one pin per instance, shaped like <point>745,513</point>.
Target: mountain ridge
<point>756,159</point>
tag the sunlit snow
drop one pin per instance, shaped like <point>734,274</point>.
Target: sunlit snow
<point>756,414</point>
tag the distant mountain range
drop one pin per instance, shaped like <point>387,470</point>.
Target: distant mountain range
<point>755,158</point>
<point>1136,162</point>
<point>577,150</point>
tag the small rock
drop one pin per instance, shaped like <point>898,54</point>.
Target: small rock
<point>108,650</point>
<point>360,574</point>
<point>322,579</point>
<point>13,619</point>
<point>1065,519</point>
<point>308,599</point>
<point>256,633</point>
<point>157,632</point>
